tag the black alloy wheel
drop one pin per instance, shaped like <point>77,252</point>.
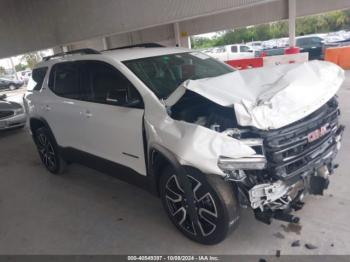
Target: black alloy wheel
<point>214,204</point>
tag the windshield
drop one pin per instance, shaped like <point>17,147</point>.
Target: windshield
<point>163,74</point>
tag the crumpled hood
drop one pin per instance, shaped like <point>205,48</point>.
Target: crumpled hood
<point>270,97</point>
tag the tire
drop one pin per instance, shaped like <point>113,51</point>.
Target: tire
<point>12,87</point>
<point>48,151</point>
<point>215,202</point>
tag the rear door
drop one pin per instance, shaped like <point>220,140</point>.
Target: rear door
<point>61,105</point>
<point>112,125</point>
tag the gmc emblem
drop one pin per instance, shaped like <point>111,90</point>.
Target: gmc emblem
<point>318,133</point>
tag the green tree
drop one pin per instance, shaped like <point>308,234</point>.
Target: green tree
<point>323,23</point>
<point>20,67</point>
<point>31,59</point>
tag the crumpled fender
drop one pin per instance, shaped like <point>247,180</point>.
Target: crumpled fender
<point>195,145</point>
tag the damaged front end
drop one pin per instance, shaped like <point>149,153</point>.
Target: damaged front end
<point>273,133</point>
<point>290,162</point>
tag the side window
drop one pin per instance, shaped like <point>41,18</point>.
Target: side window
<point>64,80</point>
<point>109,86</point>
<point>234,49</point>
<point>36,81</point>
<point>316,41</point>
<point>244,48</point>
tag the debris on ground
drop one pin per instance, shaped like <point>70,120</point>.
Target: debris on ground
<point>330,195</point>
<point>296,243</point>
<point>120,219</point>
<point>262,260</point>
<point>310,246</point>
<point>279,235</point>
<point>332,245</point>
<point>278,253</point>
<point>292,227</point>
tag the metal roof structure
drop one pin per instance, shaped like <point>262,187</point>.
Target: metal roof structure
<point>27,25</point>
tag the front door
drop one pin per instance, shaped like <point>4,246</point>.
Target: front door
<point>113,116</point>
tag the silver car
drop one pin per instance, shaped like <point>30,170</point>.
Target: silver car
<point>12,115</point>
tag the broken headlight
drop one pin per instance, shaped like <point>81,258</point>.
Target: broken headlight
<point>256,162</point>
<point>253,162</point>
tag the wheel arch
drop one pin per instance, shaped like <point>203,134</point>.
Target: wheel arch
<point>158,158</point>
<point>35,123</point>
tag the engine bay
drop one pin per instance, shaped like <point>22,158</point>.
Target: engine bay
<point>196,109</point>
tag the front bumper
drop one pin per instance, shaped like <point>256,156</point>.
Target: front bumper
<point>13,121</point>
<point>278,199</point>
<point>299,160</point>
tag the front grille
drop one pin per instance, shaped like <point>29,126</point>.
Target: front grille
<point>288,150</point>
<point>4,114</point>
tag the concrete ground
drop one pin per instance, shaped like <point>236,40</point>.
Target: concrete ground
<point>86,212</point>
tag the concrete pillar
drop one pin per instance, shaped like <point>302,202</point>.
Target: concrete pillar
<point>105,43</point>
<point>65,48</point>
<point>189,42</point>
<point>177,34</point>
<point>292,22</point>
<point>13,68</point>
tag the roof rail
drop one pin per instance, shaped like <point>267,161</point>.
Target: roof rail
<point>146,45</point>
<point>84,51</point>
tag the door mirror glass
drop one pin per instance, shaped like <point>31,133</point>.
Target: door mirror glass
<point>120,97</point>
<point>117,96</point>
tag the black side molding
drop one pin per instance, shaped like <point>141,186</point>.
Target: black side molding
<point>111,168</point>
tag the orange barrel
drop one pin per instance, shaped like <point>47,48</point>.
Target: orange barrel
<point>339,56</point>
<point>246,63</point>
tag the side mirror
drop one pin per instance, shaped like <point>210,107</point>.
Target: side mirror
<point>135,102</point>
<point>120,98</point>
<point>117,97</point>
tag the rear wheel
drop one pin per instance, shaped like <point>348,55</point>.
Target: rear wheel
<point>214,203</point>
<point>48,151</point>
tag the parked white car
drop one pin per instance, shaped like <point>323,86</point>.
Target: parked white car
<point>255,45</point>
<point>231,52</point>
<point>208,140</point>
<point>12,115</point>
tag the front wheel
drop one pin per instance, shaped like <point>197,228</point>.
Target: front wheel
<point>48,151</point>
<point>214,202</point>
<point>12,87</point>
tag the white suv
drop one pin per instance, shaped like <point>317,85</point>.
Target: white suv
<point>207,139</point>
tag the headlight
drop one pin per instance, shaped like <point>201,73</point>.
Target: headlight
<point>254,162</point>
<point>19,111</point>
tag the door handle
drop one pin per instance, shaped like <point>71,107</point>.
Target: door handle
<point>47,108</point>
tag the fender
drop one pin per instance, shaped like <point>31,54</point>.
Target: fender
<point>181,174</point>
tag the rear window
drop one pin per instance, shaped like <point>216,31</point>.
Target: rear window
<point>36,81</point>
<point>234,49</point>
